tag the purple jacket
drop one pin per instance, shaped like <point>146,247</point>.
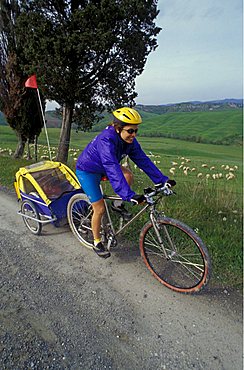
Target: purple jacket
<point>103,155</point>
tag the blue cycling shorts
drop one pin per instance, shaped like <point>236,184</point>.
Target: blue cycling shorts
<point>90,184</point>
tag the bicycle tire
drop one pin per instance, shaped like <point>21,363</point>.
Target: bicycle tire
<point>187,268</point>
<point>29,209</point>
<point>79,212</point>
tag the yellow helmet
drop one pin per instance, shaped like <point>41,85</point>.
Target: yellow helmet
<point>127,116</point>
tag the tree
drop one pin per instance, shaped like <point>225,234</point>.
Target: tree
<point>19,105</point>
<point>87,54</point>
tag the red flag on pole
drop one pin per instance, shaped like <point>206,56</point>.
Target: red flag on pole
<point>31,82</point>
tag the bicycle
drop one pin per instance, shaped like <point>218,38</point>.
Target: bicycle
<point>171,250</point>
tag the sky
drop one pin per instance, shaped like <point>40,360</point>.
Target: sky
<point>199,54</point>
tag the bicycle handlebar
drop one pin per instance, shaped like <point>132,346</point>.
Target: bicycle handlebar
<point>165,189</point>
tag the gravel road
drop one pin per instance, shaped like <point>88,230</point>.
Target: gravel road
<point>62,307</point>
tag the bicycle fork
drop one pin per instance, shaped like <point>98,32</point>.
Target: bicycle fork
<point>156,229</point>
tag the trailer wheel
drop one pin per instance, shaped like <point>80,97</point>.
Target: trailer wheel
<point>32,217</point>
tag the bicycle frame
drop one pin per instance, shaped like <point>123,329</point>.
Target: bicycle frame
<point>123,225</point>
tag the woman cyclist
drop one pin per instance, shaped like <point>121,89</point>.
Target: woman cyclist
<point>102,157</point>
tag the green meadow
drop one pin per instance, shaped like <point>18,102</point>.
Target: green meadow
<point>216,127</point>
<point>208,191</point>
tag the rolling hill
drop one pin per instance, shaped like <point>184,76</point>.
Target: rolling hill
<point>206,123</point>
<point>216,127</point>
<point>194,106</point>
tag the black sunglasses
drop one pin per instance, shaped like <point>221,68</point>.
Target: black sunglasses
<point>131,130</point>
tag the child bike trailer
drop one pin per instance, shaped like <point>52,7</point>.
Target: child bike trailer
<point>44,190</point>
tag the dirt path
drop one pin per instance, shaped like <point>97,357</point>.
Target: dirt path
<point>62,307</point>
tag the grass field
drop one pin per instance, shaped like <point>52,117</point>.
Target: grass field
<point>209,190</point>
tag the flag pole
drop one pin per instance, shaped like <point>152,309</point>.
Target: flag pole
<point>44,121</point>
<point>32,83</point>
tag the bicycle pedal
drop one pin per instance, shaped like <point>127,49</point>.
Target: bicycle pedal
<point>111,244</point>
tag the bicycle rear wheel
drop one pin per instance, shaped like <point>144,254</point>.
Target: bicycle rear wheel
<point>182,263</point>
<point>79,212</point>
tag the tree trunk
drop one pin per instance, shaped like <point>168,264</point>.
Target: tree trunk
<point>63,148</point>
<point>19,151</point>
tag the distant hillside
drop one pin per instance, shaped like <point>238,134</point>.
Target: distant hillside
<point>54,119</point>
<point>218,122</point>
<point>216,127</point>
<point>194,106</point>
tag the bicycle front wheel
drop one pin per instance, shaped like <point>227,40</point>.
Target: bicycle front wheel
<point>175,255</point>
<point>79,212</point>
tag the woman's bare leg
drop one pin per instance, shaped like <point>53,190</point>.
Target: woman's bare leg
<point>128,175</point>
<point>98,211</point>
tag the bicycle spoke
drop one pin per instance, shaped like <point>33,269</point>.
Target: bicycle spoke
<point>187,269</point>
<point>152,241</point>
<point>149,251</point>
<point>187,262</point>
